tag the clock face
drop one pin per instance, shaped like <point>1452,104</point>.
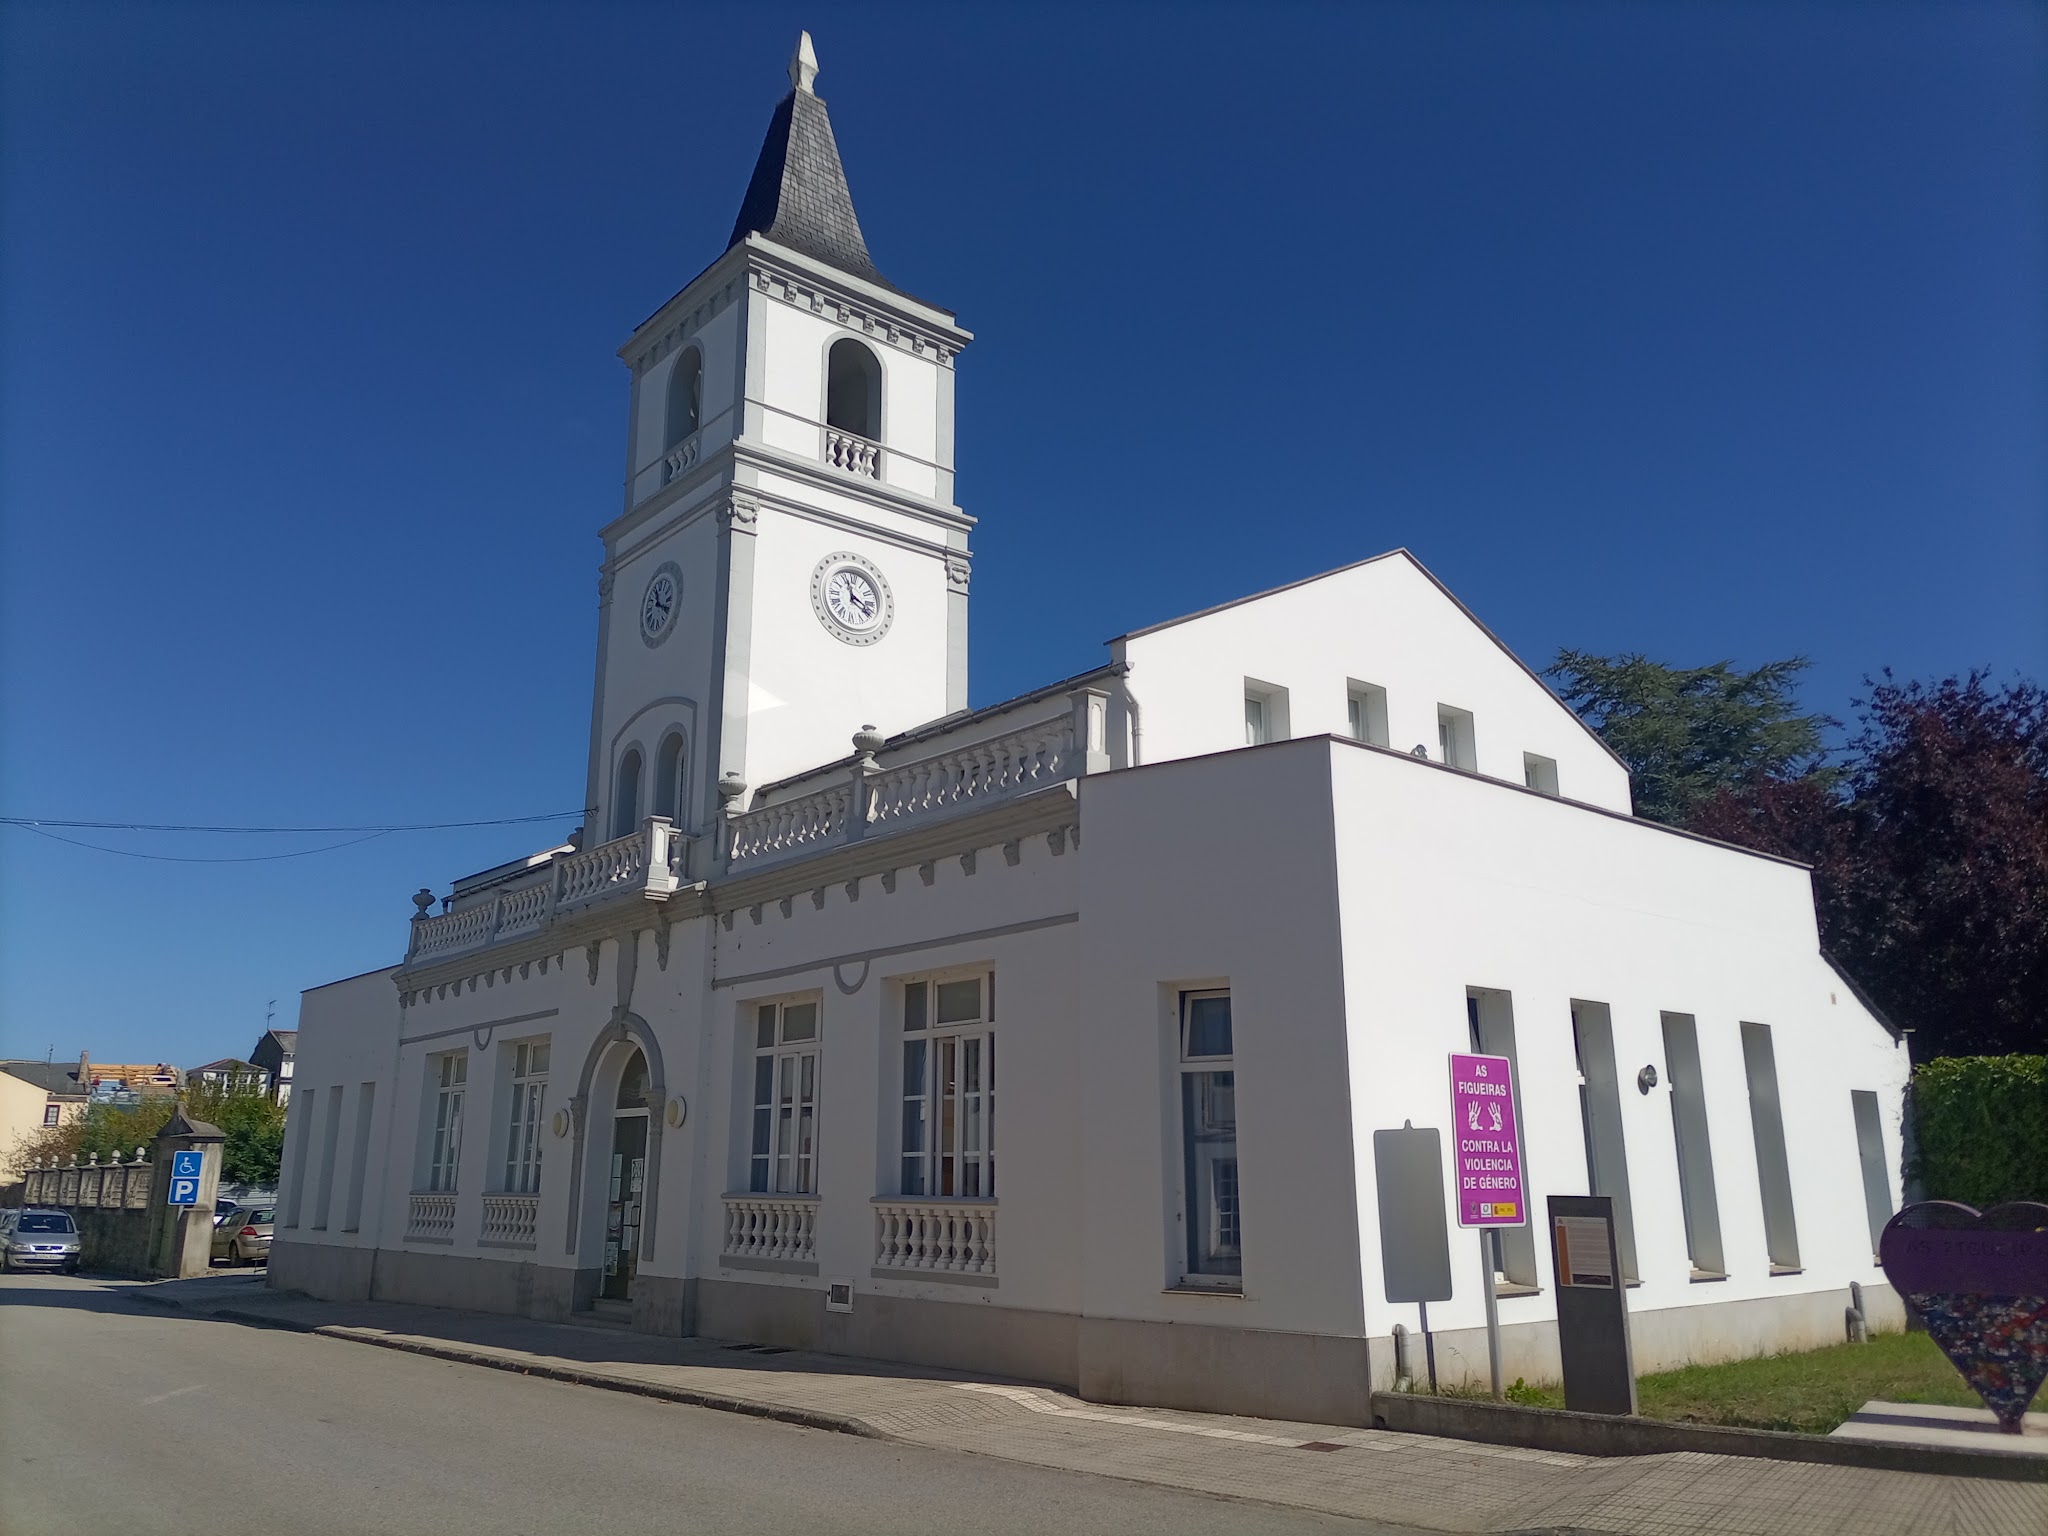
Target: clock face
<point>852,599</point>
<point>658,607</point>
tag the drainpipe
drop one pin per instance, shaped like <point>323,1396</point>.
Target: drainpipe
<point>1136,717</point>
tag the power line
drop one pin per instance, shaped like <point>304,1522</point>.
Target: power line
<point>374,826</point>
<point>42,828</point>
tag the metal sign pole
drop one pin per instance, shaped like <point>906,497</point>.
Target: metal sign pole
<point>1492,1312</point>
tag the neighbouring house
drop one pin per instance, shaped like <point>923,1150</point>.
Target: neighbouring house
<point>230,1072</point>
<point>275,1053</point>
<point>34,1096</point>
<point>726,1063</point>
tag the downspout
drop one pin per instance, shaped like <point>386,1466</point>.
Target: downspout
<point>1135,715</point>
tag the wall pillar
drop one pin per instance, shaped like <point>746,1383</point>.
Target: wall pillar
<point>181,1236</point>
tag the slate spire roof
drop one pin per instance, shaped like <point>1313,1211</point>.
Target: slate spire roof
<point>798,196</point>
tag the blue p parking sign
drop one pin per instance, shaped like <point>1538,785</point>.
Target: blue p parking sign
<point>185,1168</point>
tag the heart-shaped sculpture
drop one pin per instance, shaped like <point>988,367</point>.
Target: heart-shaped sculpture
<point>1979,1281</point>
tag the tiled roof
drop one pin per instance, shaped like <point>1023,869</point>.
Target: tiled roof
<point>798,196</point>
<point>51,1077</point>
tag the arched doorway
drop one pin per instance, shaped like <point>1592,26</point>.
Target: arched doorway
<point>626,1181</point>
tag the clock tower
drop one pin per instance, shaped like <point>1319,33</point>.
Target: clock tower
<point>789,565</point>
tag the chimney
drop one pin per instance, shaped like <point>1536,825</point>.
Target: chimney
<point>84,1072</point>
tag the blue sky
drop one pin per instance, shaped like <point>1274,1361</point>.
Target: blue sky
<point>1708,331</point>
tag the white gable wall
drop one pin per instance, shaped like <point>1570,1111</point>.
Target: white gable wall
<point>1384,623</point>
<point>1448,883</point>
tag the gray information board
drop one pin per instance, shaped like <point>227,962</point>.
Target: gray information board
<point>1415,1241</point>
<point>1592,1306</point>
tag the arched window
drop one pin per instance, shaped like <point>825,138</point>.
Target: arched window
<point>626,803</point>
<point>670,764</point>
<point>685,397</point>
<point>853,389</point>
<point>633,1083</point>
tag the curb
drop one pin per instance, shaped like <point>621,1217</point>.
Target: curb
<point>783,1413</point>
<point>1593,1434</point>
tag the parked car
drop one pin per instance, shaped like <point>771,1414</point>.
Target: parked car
<point>39,1239</point>
<point>245,1238</point>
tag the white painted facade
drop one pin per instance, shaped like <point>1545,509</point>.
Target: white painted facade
<point>1083,865</point>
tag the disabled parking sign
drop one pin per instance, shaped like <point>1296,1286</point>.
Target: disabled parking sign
<point>185,1167</point>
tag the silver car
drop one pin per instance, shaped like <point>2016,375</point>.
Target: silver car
<point>41,1240</point>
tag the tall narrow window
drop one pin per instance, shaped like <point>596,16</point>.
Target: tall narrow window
<point>1600,1119</point>
<point>524,1108</point>
<point>1767,1127</point>
<point>299,1127</point>
<point>1696,1195</point>
<point>853,389</point>
<point>685,398</point>
<point>949,1087</point>
<point>1877,1179</point>
<point>359,1157</point>
<point>444,1155</point>
<point>1454,738</point>
<point>330,1143</point>
<point>1213,1207</point>
<point>784,1155</point>
<point>626,803</point>
<point>670,764</point>
<point>1490,1025</point>
<point>1366,714</point>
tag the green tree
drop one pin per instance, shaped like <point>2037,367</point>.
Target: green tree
<point>1688,733</point>
<point>252,1121</point>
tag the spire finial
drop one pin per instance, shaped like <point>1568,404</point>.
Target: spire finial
<point>803,64</point>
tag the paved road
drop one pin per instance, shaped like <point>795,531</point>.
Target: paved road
<point>108,1407</point>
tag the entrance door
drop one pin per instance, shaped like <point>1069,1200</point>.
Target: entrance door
<point>625,1179</point>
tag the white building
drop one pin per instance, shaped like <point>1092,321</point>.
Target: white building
<point>727,1062</point>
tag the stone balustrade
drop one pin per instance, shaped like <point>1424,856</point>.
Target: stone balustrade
<point>114,1185</point>
<point>510,1221</point>
<point>775,1227</point>
<point>953,1237</point>
<point>855,455</point>
<point>681,457</point>
<point>876,799</point>
<point>649,864</point>
<point>430,1217</point>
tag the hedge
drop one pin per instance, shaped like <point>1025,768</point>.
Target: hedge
<point>1981,1129</point>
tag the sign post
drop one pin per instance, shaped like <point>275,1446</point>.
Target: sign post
<point>1489,1164</point>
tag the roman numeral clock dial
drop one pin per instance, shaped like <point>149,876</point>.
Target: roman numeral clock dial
<point>852,599</point>
<point>661,602</point>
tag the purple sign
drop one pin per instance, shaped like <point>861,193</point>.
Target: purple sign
<point>1488,1143</point>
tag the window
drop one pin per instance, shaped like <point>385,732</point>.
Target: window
<point>524,1109</point>
<point>1454,738</point>
<point>685,398</point>
<point>51,1112</point>
<point>670,764</point>
<point>1490,1024</point>
<point>359,1160</point>
<point>1213,1209</point>
<point>1877,1182</point>
<point>449,1075</point>
<point>1767,1127</point>
<point>1265,713</point>
<point>1600,1120</point>
<point>1539,773</point>
<point>1366,712</point>
<point>853,389</point>
<point>330,1140</point>
<point>299,1128</point>
<point>949,1087</point>
<point>1695,1150</point>
<point>784,1156</point>
<point>626,804</point>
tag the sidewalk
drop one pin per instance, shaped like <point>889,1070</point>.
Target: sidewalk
<point>1432,1484</point>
